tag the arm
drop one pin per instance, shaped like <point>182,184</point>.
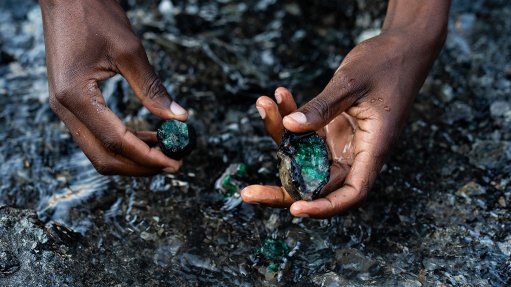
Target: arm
<point>363,108</point>
<point>88,42</point>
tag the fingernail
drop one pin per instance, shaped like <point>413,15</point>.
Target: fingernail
<point>298,117</point>
<point>169,170</point>
<point>176,109</point>
<point>278,98</point>
<point>262,112</point>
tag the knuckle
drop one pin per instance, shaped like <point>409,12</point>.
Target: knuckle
<point>153,87</point>
<point>103,167</point>
<point>322,108</point>
<point>131,47</point>
<point>348,83</point>
<point>62,93</point>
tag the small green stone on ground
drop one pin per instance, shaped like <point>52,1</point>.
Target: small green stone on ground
<point>232,181</point>
<point>273,251</point>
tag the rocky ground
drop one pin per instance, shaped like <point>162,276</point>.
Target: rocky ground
<point>437,216</point>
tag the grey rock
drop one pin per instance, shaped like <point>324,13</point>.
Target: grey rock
<point>505,246</point>
<point>446,93</point>
<point>332,279</point>
<point>459,111</point>
<point>487,154</point>
<point>34,255</point>
<point>500,109</point>
<point>352,259</point>
<point>432,264</point>
<point>470,189</point>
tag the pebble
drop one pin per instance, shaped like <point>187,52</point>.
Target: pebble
<point>487,154</point>
<point>470,189</point>
<point>500,109</point>
<point>459,111</point>
<point>505,246</point>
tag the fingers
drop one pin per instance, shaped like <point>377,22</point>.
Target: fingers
<point>149,137</point>
<point>104,161</point>
<point>272,113</point>
<point>135,67</point>
<point>88,105</point>
<point>269,112</point>
<point>269,195</point>
<point>358,182</point>
<point>340,94</point>
<point>285,101</point>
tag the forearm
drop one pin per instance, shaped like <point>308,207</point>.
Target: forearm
<point>424,20</point>
<point>47,4</point>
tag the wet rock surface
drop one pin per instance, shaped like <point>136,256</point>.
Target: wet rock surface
<point>304,168</point>
<point>32,255</point>
<point>438,214</point>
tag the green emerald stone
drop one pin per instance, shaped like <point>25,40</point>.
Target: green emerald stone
<point>273,249</point>
<point>176,139</point>
<point>272,253</point>
<point>232,180</point>
<point>304,168</point>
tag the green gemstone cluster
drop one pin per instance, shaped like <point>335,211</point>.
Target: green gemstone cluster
<point>176,139</point>
<point>232,180</point>
<point>273,252</point>
<point>304,168</point>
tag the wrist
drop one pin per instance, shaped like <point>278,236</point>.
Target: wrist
<point>421,22</point>
<point>49,4</point>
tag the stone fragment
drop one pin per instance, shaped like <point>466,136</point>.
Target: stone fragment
<point>176,139</point>
<point>487,154</point>
<point>304,168</point>
<point>457,112</point>
<point>470,189</point>
<point>500,109</point>
<point>505,246</point>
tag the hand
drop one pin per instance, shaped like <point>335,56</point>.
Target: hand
<point>360,114</point>
<point>88,42</point>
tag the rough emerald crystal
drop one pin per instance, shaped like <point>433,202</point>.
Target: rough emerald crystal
<point>176,139</point>
<point>272,252</point>
<point>231,181</point>
<point>304,168</point>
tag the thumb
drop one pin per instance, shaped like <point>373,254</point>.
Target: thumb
<point>340,94</point>
<point>148,87</point>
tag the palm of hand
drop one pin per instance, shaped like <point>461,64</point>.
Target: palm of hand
<point>348,136</point>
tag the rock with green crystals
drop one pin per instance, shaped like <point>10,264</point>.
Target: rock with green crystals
<point>176,139</point>
<point>304,168</point>
<point>272,253</point>
<point>231,181</point>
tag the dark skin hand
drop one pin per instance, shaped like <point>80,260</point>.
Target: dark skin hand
<point>362,110</point>
<point>88,42</point>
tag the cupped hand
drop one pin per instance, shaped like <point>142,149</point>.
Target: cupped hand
<point>360,113</point>
<point>88,42</point>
